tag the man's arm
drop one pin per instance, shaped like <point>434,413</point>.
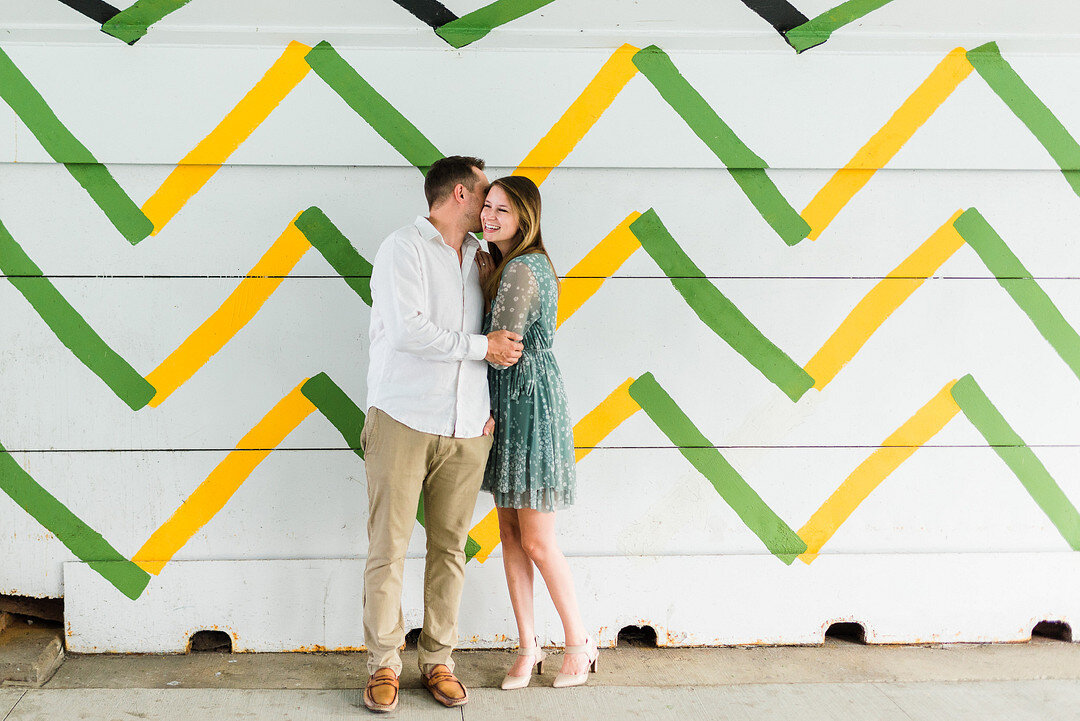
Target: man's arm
<point>399,292</point>
<point>401,297</point>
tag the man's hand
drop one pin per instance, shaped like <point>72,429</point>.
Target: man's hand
<point>489,427</point>
<point>485,263</point>
<point>504,348</point>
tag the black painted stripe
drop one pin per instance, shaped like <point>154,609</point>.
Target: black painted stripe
<point>97,10</point>
<point>431,12</point>
<point>781,14</point>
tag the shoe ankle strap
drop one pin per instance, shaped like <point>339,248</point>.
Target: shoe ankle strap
<point>584,648</point>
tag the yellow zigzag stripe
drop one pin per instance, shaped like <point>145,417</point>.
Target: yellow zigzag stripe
<point>895,449</point>
<point>602,420</point>
<point>579,118</point>
<point>198,166</point>
<point>585,278</point>
<point>588,432</point>
<point>845,183</point>
<point>881,148</point>
<point>855,330</point>
<point>213,493</point>
<point>880,303</point>
<point>486,533</point>
<point>220,485</point>
<point>264,278</point>
<point>237,310</point>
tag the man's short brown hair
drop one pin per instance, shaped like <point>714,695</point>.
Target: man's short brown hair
<point>444,175</point>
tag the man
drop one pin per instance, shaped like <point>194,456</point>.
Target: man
<point>428,426</point>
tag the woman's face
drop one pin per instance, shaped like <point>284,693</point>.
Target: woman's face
<point>498,217</point>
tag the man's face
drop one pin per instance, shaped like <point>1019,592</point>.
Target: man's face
<point>475,200</point>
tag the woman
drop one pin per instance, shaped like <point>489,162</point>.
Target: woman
<point>530,471</point>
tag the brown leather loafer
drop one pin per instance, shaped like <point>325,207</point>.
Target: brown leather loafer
<point>381,692</point>
<point>445,687</point>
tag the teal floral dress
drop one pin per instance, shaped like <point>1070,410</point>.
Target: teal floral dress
<point>532,459</point>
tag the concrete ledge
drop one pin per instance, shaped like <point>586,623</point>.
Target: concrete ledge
<point>314,604</point>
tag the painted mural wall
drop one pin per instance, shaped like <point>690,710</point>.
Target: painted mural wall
<point>818,320</point>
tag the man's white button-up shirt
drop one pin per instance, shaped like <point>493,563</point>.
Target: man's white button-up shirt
<point>427,366</point>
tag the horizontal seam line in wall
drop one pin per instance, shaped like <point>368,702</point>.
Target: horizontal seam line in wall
<point>571,554</point>
<point>564,167</point>
<point>337,449</point>
<point>579,277</point>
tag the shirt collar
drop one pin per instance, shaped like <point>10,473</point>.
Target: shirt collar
<point>430,232</point>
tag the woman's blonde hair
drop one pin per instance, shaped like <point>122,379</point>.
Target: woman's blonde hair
<point>525,202</point>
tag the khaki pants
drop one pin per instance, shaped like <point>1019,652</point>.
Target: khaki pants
<point>401,463</point>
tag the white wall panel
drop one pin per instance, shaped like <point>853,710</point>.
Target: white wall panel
<point>651,538</point>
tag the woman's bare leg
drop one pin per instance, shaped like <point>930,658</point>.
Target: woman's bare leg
<point>519,581</point>
<point>537,539</point>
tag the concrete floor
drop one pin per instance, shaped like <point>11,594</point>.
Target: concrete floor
<point>835,662</point>
<point>979,701</point>
<point>840,680</point>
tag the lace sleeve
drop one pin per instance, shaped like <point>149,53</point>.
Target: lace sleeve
<point>517,303</point>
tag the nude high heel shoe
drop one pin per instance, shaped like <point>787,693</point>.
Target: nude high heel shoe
<point>538,655</point>
<point>592,653</point>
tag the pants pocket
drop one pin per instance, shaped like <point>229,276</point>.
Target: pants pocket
<point>368,429</point>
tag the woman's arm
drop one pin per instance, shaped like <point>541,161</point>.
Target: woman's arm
<point>518,301</point>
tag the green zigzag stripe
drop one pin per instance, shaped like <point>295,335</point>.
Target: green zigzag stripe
<point>324,236</point>
<point>1021,287</point>
<point>131,24</point>
<point>777,536</point>
<point>70,327</point>
<point>93,352</point>
<point>87,544</point>
<point>64,148</point>
<point>470,28</point>
<point>716,311</point>
<point>337,407</point>
<point>1020,459</point>
<point>372,107</point>
<point>1032,112</point>
<point>817,30</point>
<point>746,168</point>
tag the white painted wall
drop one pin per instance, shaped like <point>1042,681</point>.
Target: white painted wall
<point>651,540</point>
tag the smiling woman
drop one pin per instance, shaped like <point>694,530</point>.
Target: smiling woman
<point>530,472</point>
<point>511,221</point>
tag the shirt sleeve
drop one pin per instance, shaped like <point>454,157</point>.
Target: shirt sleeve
<point>517,304</point>
<point>402,300</point>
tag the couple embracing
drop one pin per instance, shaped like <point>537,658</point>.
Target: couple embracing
<point>464,394</point>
